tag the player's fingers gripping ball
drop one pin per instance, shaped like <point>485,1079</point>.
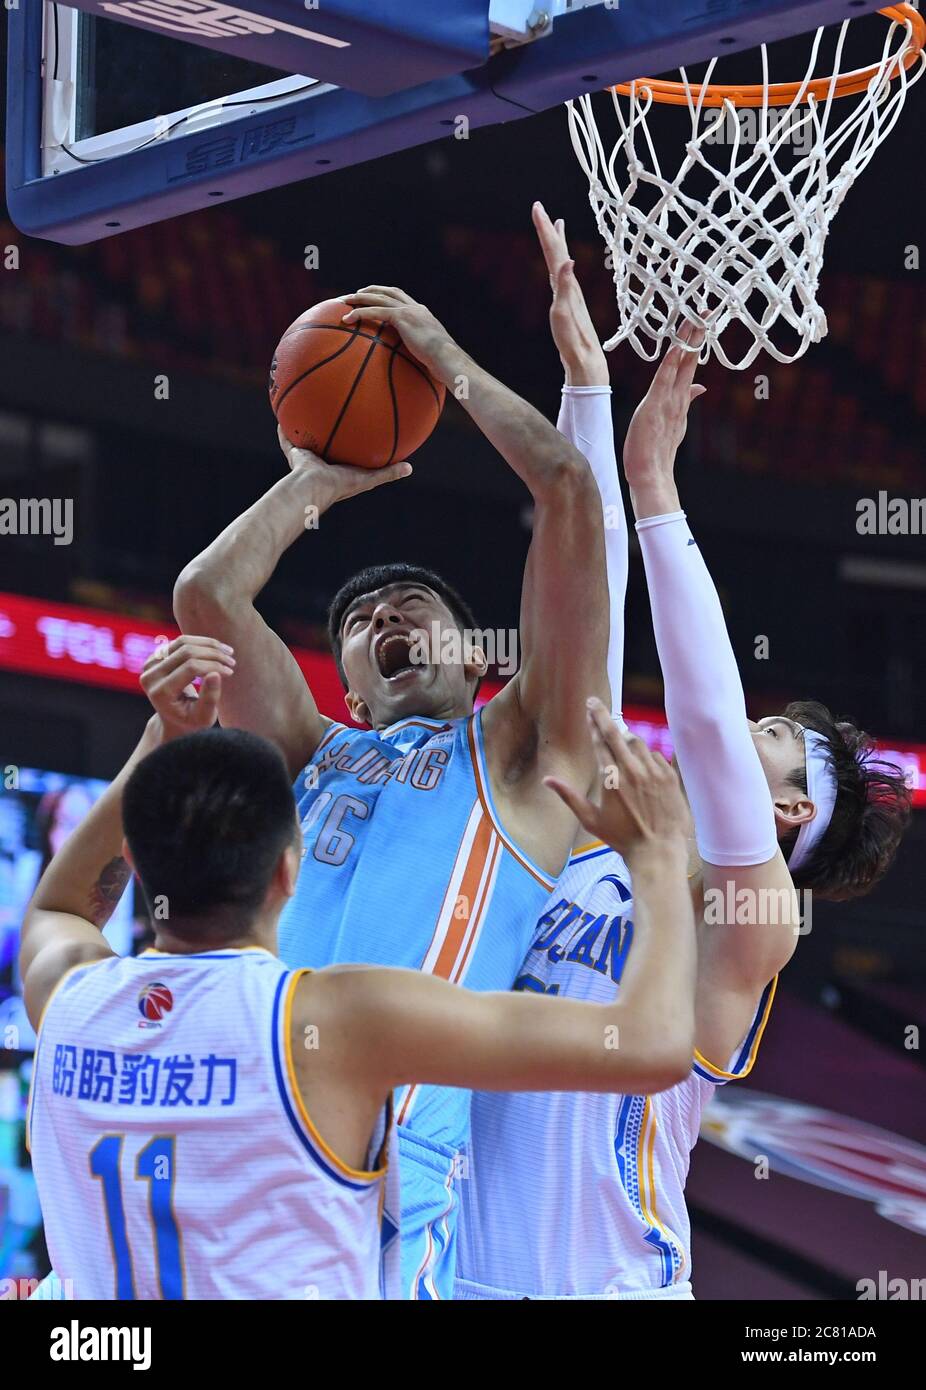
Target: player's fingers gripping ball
<point>351,393</point>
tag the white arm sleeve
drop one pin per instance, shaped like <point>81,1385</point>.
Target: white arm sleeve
<point>585,420</point>
<point>729,795</point>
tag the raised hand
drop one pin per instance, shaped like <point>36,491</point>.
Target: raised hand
<point>641,807</point>
<point>661,419</point>
<point>424,336</point>
<point>571,324</point>
<point>338,480</point>
<point>168,680</point>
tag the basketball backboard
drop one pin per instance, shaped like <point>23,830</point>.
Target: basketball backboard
<point>125,112</point>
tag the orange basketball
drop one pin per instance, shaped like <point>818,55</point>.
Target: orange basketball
<point>351,392</point>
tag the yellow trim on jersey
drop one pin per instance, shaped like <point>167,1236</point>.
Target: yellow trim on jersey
<point>753,1051</point>
<point>381,1157</point>
<point>584,849</point>
<point>296,1094</point>
<point>646,1167</point>
<point>81,965</point>
<point>206,951</point>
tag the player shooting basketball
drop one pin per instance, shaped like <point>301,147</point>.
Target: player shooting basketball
<point>208,1124</point>
<point>431,840</point>
<point>796,799</point>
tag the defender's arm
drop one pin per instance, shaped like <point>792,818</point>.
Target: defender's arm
<point>726,785</point>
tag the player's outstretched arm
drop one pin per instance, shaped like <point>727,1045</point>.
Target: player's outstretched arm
<point>78,892</point>
<point>406,1027</point>
<point>564,601</point>
<point>586,421</point>
<point>534,726</point>
<point>729,795</point>
<point>216,593</point>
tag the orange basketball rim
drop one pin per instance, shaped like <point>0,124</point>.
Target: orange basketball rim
<point>785,93</point>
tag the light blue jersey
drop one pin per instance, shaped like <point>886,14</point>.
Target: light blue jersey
<point>406,863</point>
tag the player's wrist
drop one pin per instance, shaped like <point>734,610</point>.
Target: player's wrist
<point>653,496</point>
<point>159,730</point>
<point>656,855</point>
<point>586,371</point>
<point>153,735</point>
<point>315,484</point>
<point>447,362</point>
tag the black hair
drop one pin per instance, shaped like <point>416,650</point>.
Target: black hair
<point>206,818</point>
<point>872,810</point>
<point>377,577</point>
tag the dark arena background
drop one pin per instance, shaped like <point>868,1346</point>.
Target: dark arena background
<point>134,381</point>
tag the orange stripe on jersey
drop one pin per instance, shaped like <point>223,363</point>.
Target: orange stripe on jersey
<point>482,906</point>
<point>448,902</point>
<point>460,931</point>
<point>466,901</point>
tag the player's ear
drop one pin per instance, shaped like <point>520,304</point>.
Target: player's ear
<point>475,663</point>
<point>357,709</point>
<point>792,811</point>
<point>288,867</point>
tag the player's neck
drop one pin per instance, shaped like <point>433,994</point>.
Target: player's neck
<point>443,715</point>
<point>195,935</point>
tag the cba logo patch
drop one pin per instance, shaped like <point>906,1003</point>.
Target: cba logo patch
<point>825,1149</point>
<point>153,1003</point>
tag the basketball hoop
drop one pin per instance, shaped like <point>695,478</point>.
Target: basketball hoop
<point>749,251</point>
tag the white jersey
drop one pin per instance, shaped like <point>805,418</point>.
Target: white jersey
<point>574,1195</point>
<point>172,1151</point>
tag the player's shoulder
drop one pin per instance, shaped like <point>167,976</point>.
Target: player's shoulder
<point>334,990</point>
<point>340,1015</point>
<point>57,965</point>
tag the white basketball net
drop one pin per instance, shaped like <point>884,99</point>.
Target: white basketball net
<point>751,251</point>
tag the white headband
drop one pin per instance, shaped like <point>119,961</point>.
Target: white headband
<point>821,788</point>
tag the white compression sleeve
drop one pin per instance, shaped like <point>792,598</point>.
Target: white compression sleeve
<point>726,786</point>
<point>585,420</point>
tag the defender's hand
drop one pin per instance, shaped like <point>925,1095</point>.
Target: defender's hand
<point>661,419</point>
<point>571,324</point>
<point>338,480</point>
<point>641,808</point>
<point>168,676</point>
<point>424,336</point>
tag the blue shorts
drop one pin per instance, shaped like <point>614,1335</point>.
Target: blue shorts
<point>430,1209</point>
